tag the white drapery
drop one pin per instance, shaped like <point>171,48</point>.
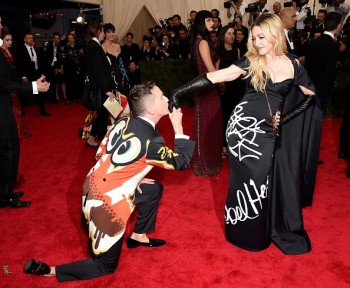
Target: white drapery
<point>123,13</point>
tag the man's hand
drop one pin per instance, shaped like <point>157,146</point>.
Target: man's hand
<point>42,85</point>
<point>144,181</point>
<point>176,120</point>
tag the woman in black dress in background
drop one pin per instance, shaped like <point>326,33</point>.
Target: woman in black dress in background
<point>113,52</point>
<point>229,93</point>
<point>255,211</point>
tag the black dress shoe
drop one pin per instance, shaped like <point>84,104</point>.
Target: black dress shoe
<point>131,243</point>
<point>36,267</point>
<point>14,203</point>
<point>44,113</point>
<point>343,155</point>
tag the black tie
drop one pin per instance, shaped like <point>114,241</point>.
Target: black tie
<point>290,36</point>
<point>31,51</point>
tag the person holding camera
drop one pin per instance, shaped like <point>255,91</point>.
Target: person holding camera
<point>336,6</point>
<point>235,8</point>
<point>255,10</point>
<point>277,8</point>
<point>303,11</point>
<point>165,49</point>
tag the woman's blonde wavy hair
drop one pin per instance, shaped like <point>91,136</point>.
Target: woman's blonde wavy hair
<point>272,28</point>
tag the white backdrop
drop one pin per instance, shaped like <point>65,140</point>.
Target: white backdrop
<point>127,14</point>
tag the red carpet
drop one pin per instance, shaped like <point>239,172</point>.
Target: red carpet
<point>54,163</point>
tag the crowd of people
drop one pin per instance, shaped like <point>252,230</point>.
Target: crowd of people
<point>259,100</point>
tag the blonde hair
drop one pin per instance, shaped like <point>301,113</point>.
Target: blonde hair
<point>272,28</point>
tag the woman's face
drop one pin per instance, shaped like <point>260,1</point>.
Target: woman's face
<point>110,35</point>
<point>7,41</point>
<point>209,24</point>
<point>262,43</point>
<point>230,36</point>
<point>146,43</point>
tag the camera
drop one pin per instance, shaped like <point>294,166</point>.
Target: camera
<point>288,4</point>
<point>252,7</point>
<point>329,2</point>
<point>227,4</point>
<point>164,22</point>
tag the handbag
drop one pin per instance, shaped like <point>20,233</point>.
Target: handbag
<point>92,97</point>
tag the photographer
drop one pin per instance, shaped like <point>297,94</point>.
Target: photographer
<point>190,21</point>
<point>277,8</point>
<point>303,11</point>
<point>336,6</point>
<point>234,8</point>
<point>165,50</point>
<point>255,10</point>
<point>177,24</point>
<point>182,45</point>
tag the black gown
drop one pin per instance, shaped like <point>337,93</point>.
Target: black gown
<point>250,215</point>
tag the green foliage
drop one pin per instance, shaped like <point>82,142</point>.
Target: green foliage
<point>340,93</point>
<point>168,74</point>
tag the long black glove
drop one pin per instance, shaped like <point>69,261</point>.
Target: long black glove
<point>197,83</point>
<point>303,105</point>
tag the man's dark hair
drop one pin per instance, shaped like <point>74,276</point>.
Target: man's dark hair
<point>215,10</point>
<point>137,96</point>
<point>237,16</point>
<point>177,16</point>
<point>332,20</point>
<point>183,29</point>
<point>93,28</point>
<point>56,34</point>
<point>130,34</point>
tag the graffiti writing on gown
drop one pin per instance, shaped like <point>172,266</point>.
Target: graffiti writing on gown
<point>246,128</point>
<point>249,203</point>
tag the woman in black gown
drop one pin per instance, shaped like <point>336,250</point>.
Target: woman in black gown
<point>256,212</point>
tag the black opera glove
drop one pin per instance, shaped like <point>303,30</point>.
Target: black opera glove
<point>197,83</point>
<point>301,107</point>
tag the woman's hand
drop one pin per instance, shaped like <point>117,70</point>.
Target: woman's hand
<point>111,96</point>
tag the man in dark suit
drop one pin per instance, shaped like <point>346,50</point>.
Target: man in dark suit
<point>130,50</point>
<point>288,18</point>
<point>51,56</point>
<point>321,58</point>
<point>9,142</point>
<point>100,72</point>
<point>116,184</point>
<point>28,67</point>
<point>320,63</point>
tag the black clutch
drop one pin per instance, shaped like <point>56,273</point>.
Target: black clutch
<point>92,97</point>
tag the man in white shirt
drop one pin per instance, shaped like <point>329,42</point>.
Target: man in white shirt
<point>288,19</point>
<point>337,6</point>
<point>303,11</point>
<point>237,8</point>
